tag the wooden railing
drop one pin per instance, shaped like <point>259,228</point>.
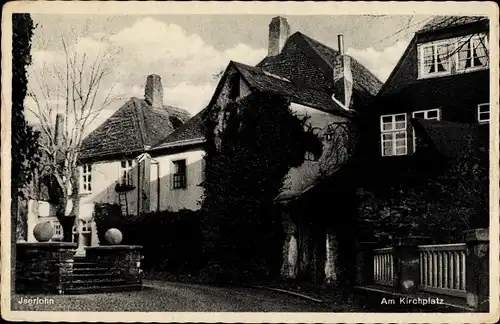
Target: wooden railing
<point>442,268</point>
<point>383,266</point>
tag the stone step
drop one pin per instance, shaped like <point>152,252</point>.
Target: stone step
<point>101,289</point>
<point>91,276</point>
<point>91,270</point>
<point>94,282</point>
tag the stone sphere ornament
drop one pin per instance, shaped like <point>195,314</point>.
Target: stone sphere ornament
<point>43,232</point>
<point>113,236</point>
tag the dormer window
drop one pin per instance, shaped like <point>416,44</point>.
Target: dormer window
<point>436,58</point>
<point>472,53</point>
<point>455,55</point>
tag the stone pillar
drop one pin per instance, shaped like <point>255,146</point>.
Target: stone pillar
<point>364,263</point>
<point>406,263</point>
<point>477,269</point>
<point>124,260</point>
<point>331,257</point>
<point>44,267</point>
<point>32,220</point>
<point>290,249</point>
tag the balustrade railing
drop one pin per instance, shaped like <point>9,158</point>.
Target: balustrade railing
<point>442,268</point>
<point>383,266</point>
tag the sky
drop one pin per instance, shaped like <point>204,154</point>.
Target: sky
<point>188,51</point>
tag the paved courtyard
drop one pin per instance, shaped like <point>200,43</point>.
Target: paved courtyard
<point>160,296</point>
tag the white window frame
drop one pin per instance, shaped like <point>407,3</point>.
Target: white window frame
<point>434,46</point>
<point>86,178</point>
<point>479,113</point>
<point>86,229</point>
<point>126,171</point>
<point>426,113</point>
<point>470,39</point>
<point>58,230</point>
<point>394,131</point>
<point>454,58</point>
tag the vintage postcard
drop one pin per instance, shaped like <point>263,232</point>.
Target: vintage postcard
<point>312,162</point>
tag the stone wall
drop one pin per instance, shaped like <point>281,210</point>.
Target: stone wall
<point>124,260</point>
<point>44,267</point>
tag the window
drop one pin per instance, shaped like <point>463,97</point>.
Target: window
<point>436,58</point>
<point>483,113</point>
<point>445,57</point>
<point>310,156</point>
<point>393,134</point>
<point>86,178</point>
<point>58,230</point>
<point>126,167</point>
<point>179,176</point>
<point>472,52</point>
<point>432,114</point>
<point>86,229</point>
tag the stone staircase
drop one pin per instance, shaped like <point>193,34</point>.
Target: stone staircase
<point>90,277</point>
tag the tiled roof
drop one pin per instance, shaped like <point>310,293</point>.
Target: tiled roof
<point>292,75</point>
<point>265,81</point>
<point>442,22</point>
<point>131,128</point>
<point>449,138</point>
<point>364,80</point>
<point>192,130</point>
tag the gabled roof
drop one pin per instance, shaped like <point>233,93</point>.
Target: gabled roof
<point>450,139</point>
<point>278,74</point>
<point>261,80</point>
<point>132,128</point>
<point>324,57</point>
<point>436,24</point>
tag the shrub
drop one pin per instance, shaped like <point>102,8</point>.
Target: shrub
<point>171,240</point>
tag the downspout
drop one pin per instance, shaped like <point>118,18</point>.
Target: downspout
<point>155,162</point>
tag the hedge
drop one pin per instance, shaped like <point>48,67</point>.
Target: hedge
<point>171,240</point>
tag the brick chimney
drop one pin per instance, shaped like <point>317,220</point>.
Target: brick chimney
<point>59,129</point>
<point>153,92</point>
<point>279,31</point>
<point>342,76</point>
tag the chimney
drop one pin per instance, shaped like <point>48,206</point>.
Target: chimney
<point>279,31</point>
<point>340,39</point>
<point>153,92</point>
<point>342,76</point>
<point>59,129</point>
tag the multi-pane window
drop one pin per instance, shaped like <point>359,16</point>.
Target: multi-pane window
<point>393,134</point>
<point>58,230</point>
<point>179,175</point>
<point>86,229</point>
<point>432,114</point>
<point>86,178</point>
<point>472,52</point>
<point>483,113</point>
<point>126,167</point>
<point>454,55</point>
<point>436,58</point>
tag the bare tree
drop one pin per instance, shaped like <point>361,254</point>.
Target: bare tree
<point>74,92</point>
